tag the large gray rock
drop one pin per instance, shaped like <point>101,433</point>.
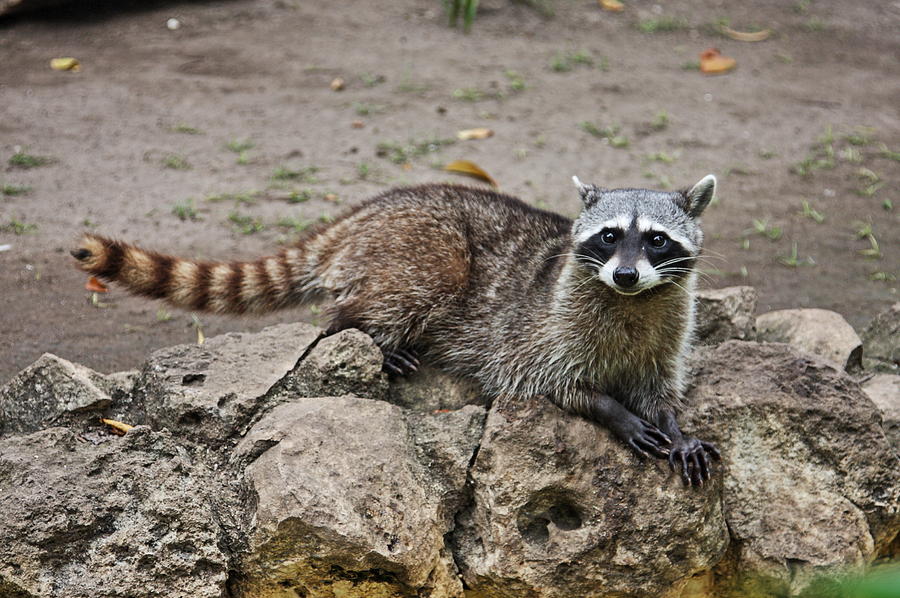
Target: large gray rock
<point>562,509</point>
<point>817,331</point>
<point>353,499</point>
<point>811,483</point>
<point>881,340</point>
<point>727,313</point>
<point>884,390</point>
<point>50,392</point>
<point>347,362</point>
<point>131,517</point>
<point>209,393</point>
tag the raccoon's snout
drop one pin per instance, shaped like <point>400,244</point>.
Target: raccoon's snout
<point>625,276</point>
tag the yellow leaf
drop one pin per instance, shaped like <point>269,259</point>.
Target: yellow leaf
<point>712,62</point>
<point>471,169</point>
<point>65,64</point>
<point>118,426</point>
<point>745,36</point>
<point>613,5</point>
<point>480,133</point>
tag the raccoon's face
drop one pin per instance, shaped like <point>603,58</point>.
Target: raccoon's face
<point>636,239</point>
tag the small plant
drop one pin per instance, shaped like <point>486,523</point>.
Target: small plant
<point>610,133</point>
<point>295,224</point>
<point>767,154</point>
<point>163,315</point>
<point>815,25</point>
<point>299,196</point>
<point>887,205</point>
<point>873,251</point>
<point>860,136</point>
<point>660,157</point>
<point>565,62</point>
<point>793,260</point>
<point>661,24</point>
<point>186,210</point>
<point>303,175</point>
<point>18,227</point>
<point>516,81</point>
<point>660,121</point>
<point>175,162</point>
<point>365,109</point>
<point>246,197</point>
<point>468,94</point>
<point>465,9</point>
<point>764,229</point>
<point>887,153</point>
<point>239,146</point>
<point>808,211</point>
<point>186,129</point>
<point>371,79</point>
<point>399,153</point>
<point>11,190</point>
<point>246,225</point>
<point>883,277</point>
<point>690,65</point>
<point>23,160</point>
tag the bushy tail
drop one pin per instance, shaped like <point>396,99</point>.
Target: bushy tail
<point>266,284</point>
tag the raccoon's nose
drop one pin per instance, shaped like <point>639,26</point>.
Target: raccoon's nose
<point>625,276</point>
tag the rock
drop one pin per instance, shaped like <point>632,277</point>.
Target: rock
<point>50,392</point>
<point>431,390</point>
<point>811,483</point>
<point>560,508</point>
<point>348,504</point>
<point>884,390</point>
<point>211,392</point>
<point>817,331</point>
<point>348,362</point>
<point>881,340</point>
<point>130,517</point>
<point>727,313</point>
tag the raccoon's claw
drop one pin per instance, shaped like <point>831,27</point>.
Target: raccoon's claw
<point>645,439</point>
<point>400,362</point>
<point>693,457</point>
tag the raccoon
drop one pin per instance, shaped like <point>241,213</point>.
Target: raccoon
<point>596,314</point>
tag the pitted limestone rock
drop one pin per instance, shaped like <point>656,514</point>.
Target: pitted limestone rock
<point>811,482</point>
<point>816,331</point>
<point>129,517</point>
<point>726,313</point>
<point>51,392</point>
<point>353,499</point>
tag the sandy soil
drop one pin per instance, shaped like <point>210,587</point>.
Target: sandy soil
<point>148,99</point>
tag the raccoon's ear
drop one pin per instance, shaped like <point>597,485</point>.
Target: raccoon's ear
<point>699,196</point>
<point>589,193</point>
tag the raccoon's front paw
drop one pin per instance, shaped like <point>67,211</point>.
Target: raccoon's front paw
<point>643,437</point>
<point>694,457</point>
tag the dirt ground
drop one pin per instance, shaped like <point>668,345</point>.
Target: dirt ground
<point>223,137</point>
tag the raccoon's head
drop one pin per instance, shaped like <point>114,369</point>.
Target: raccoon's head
<point>636,239</point>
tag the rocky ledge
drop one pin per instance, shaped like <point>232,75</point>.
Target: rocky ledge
<point>285,464</point>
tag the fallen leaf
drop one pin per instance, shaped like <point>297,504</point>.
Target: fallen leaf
<point>95,286</point>
<point>119,427</point>
<point>330,197</point>
<point>613,5</point>
<point>747,36</point>
<point>471,169</point>
<point>357,124</point>
<point>479,133</point>
<point>65,64</point>
<point>712,62</point>
<point>337,84</point>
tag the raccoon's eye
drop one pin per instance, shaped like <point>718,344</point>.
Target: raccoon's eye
<point>658,241</point>
<point>608,237</point>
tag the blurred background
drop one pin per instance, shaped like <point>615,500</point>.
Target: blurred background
<point>222,129</point>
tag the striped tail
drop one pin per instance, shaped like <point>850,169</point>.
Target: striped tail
<point>263,285</point>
